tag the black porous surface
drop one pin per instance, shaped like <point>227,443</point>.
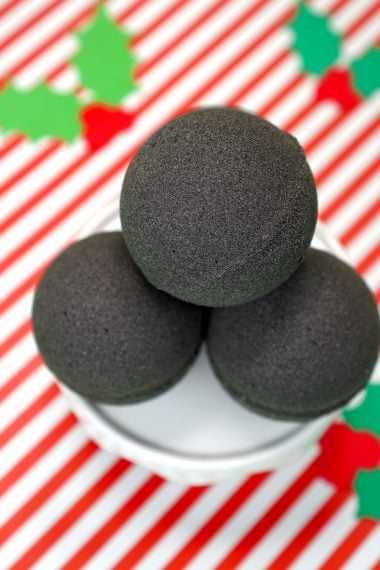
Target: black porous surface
<point>304,349</point>
<point>105,331</point>
<point>218,207</point>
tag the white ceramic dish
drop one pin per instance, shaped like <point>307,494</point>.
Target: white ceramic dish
<point>196,433</point>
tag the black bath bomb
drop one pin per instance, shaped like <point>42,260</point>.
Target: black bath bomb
<point>218,207</point>
<point>105,331</point>
<point>304,349</point>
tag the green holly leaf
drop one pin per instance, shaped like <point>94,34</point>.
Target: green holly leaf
<point>366,416</point>
<point>315,40</point>
<point>366,72</point>
<point>39,112</point>
<point>104,61</point>
<point>367,486</point>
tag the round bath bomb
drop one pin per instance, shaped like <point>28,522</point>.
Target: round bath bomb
<point>304,349</point>
<point>218,207</point>
<point>105,331</point>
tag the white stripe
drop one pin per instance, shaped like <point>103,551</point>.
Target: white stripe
<point>365,241</point>
<point>251,511</point>
<point>140,19</point>
<point>344,134</point>
<point>363,39</point>
<point>268,87</point>
<point>323,6</point>
<point>56,200</point>
<point>328,538</point>
<point>15,316</point>
<point>178,534</point>
<point>367,554</point>
<point>49,513</point>
<point>32,433</point>
<point>290,107</point>
<point>288,526</point>
<point>345,172</point>
<point>31,182</point>
<point>42,471</point>
<point>24,395</point>
<point>94,518</point>
<point>124,538</point>
<point>355,206</point>
<point>67,81</point>
<point>372,278</point>
<point>318,118</point>
<point>18,157</point>
<point>18,356</point>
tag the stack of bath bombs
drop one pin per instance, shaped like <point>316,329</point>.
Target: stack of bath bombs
<point>218,209</point>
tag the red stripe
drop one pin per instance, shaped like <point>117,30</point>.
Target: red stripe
<point>309,531</point>
<point>37,452</point>
<point>208,530</point>
<point>362,21</point>
<point>47,490</point>
<point>8,6</point>
<point>15,337</point>
<point>256,533</point>
<point>31,411</point>
<point>372,256</point>
<point>377,296</point>
<point>300,116</point>
<point>26,26</point>
<point>18,378</point>
<point>346,151</point>
<point>340,4</point>
<point>49,149</point>
<point>361,223</point>
<point>9,144</point>
<point>152,536</point>
<point>355,185</point>
<point>326,131</point>
<point>349,545</point>
<point>113,524</point>
<point>145,66</point>
<point>377,566</point>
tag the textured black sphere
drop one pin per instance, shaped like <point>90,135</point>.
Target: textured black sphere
<point>105,331</point>
<point>218,207</point>
<point>304,349</point>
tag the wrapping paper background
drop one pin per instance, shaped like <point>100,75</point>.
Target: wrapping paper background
<point>68,504</point>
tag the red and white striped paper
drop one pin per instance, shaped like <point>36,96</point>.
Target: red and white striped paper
<point>64,502</point>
